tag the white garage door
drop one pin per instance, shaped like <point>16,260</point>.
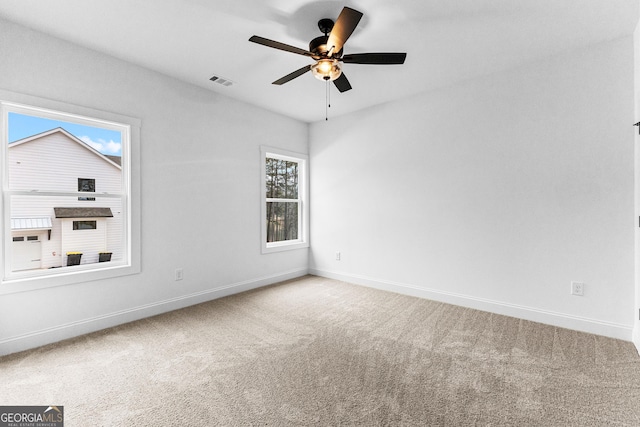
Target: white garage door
<point>26,253</point>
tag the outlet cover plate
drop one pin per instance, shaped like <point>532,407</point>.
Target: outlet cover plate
<point>577,288</point>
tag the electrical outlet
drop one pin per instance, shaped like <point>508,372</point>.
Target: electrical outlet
<point>178,274</point>
<point>337,256</point>
<point>577,288</point>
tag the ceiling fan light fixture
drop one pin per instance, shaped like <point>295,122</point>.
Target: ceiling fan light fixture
<point>326,69</point>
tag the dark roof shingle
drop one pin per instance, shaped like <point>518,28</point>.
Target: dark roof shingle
<point>83,212</point>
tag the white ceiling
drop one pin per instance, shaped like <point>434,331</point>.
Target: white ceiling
<point>446,41</point>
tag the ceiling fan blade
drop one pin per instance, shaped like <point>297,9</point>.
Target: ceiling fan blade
<point>293,75</point>
<point>281,46</point>
<point>342,83</point>
<point>343,28</point>
<point>375,58</point>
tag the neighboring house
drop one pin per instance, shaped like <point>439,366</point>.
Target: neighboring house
<point>45,227</point>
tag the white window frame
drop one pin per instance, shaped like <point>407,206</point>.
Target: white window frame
<point>303,200</point>
<point>12,282</point>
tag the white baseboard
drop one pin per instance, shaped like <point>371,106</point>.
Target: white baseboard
<point>636,336</point>
<point>608,329</point>
<point>81,327</point>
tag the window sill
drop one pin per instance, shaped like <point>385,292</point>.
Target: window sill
<point>283,246</point>
<point>78,274</point>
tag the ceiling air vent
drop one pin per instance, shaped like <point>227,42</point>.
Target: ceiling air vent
<point>221,80</point>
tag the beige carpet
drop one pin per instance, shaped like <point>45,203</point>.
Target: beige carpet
<point>315,351</point>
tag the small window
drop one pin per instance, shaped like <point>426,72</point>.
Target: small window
<point>32,238</point>
<point>18,239</point>
<point>284,207</point>
<point>87,185</point>
<point>85,225</point>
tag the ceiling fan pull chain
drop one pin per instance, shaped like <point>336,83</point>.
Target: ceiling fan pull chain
<point>327,104</point>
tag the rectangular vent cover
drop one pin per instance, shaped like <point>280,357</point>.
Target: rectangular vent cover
<point>221,80</point>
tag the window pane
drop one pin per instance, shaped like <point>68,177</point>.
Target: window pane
<point>63,224</point>
<point>46,155</point>
<point>54,155</point>
<point>282,179</point>
<point>282,221</point>
<point>85,225</point>
<point>86,184</point>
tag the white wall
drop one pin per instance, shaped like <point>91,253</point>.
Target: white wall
<point>636,56</point>
<point>495,193</point>
<point>200,177</point>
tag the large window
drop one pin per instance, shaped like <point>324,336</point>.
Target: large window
<point>284,206</point>
<point>67,179</point>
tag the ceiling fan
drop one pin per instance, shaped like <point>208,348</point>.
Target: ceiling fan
<point>326,51</point>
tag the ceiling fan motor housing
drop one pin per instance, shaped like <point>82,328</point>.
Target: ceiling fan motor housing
<point>319,45</point>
